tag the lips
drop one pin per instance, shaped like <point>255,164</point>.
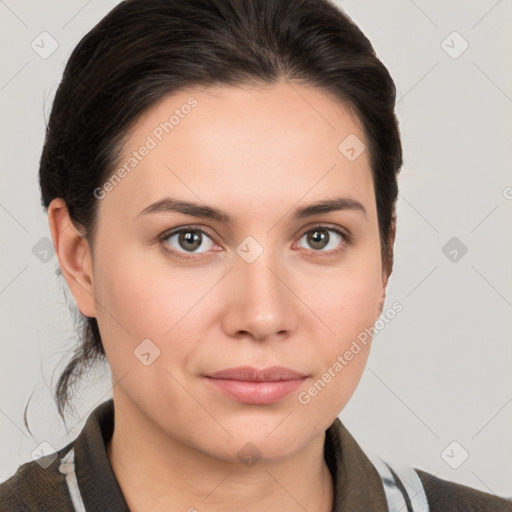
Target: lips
<point>248,373</point>
<point>257,387</point>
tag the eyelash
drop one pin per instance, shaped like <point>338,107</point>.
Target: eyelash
<point>346,240</point>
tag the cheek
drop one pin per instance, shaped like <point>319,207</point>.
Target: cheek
<point>130,301</point>
<point>142,298</point>
<point>347,300</point>
<point>357,301</point>
<point>348,310</point>
<point>347,305</point>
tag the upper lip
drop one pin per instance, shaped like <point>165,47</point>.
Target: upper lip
<point>248,373</point>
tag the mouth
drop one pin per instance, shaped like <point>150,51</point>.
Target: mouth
<point>258,387</point>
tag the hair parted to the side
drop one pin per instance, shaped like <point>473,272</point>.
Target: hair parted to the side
<point>144,50</point>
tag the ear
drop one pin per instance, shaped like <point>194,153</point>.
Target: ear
<point>387,267</point>
<point>74,256</point>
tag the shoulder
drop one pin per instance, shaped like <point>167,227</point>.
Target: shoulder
<point>443,495</point>
<point>37,486</point>
<point>415,490</point>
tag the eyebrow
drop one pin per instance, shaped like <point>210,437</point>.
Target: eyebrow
<point>170,204</point>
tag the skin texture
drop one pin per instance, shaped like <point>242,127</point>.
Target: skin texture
<point>257,153</point>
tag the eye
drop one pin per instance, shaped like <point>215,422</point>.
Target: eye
<point>187,240</point>
<point>324,239</point>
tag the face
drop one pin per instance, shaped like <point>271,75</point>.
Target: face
<point>243,278</point>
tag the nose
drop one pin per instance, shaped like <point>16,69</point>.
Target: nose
<point>260,301</point>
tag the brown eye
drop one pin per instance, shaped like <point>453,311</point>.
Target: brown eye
<point>189,240</point>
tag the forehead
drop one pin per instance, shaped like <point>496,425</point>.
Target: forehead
<point>245,145</point>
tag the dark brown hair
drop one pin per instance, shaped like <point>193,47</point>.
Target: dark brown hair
<point>146,49</point>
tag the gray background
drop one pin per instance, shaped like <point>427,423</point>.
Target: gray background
<point>441,370</point>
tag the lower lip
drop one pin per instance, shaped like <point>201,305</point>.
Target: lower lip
<point>257,393</point>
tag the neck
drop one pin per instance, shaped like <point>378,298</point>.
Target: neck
<point>157,473</point>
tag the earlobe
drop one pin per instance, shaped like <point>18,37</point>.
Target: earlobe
<point>388,264</point>
<point>74,256</point>
<point>382,298</point>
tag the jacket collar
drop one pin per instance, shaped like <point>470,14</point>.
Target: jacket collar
<point>96,480</point>
<point>356,482</point>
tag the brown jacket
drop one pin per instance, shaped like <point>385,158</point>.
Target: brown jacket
<point>47,485</point>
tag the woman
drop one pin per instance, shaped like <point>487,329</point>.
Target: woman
<point>220,181</point>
